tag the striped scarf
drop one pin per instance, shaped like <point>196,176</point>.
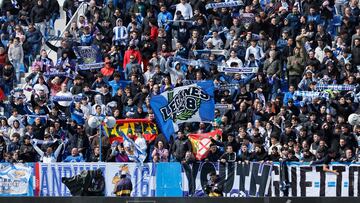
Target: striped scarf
<point>66,98</point>
<point>59,74</point>
<point>238,69</point>
<point>335,87</point>
<point>91,66</point>
<point>211,51</point>
<point>224,4</point>
<point>311,94</point>
<point>193,62</point>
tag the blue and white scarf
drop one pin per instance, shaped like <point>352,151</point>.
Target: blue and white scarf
<point>242,70</point>
<point>335,87</point>
<point>224,4</point>
<point>193,62</point>
<point>59,74</point>
<point>225,106</point>
<point>91,66</point>
<point>211,51</point>
<point>76,98</point>
<point>311,94</point>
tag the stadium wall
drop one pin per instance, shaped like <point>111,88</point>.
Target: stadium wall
<point>176,180</point>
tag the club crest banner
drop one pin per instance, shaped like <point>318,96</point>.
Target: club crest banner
<point>191,103</point>
<point>88,54</point>
<point>16,180</point>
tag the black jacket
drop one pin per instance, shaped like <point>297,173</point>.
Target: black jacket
<point>214,157</point>
<point>53,7</point>
<point>180,147</point>
<point>38,14</point>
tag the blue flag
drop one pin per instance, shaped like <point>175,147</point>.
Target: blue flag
<point>191,103</point>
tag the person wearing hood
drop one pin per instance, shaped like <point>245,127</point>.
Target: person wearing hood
<point>175,73</point>
<point>98,108</point>
<point>121,34</point>
<point>65,63</point>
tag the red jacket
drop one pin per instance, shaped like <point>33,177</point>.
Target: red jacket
<point>130,52</point>
<point>3,58</point>
<point>153,33</point>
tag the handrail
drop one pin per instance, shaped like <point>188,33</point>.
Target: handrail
<point>75,17</point>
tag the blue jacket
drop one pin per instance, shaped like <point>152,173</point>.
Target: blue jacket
<point>33,37</point>
<point>70,158</point>
<point>77,115</point>
<point>162,18</point>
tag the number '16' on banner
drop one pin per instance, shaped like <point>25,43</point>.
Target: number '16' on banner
<point>191,103</point>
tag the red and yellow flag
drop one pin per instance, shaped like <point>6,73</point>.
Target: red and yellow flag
<point>129,126</point>
<point>201,143</point>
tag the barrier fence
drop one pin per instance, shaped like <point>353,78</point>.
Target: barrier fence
<point>176,180</point>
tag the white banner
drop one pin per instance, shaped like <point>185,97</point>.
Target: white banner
<point>142,178</point>
<point>246,180</point>
<point>311,181</point>
<point>48,176</point>
<point>15,180</point>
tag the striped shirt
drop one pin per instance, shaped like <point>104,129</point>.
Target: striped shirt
<point>120,33</point>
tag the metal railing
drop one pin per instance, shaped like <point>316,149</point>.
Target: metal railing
<point>80,11</point>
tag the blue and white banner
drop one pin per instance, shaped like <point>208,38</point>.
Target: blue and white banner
<point>59,74</point>
<point>91,66</point>
<point>238,180</point>
<point>242,70</point>
<point>76,98</point>
<point>311,94</point>
<point>194,62</point>
<point>191,103</point>
<point>142,177</point>
<point>211,51</point>
<point>48,176</point>
<point>224,4</point>
<point>88,54</point>
<point>311,181</point>
<point>16,180</point>
<point>335,87</point>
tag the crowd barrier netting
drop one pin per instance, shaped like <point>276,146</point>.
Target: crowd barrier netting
<point>174,179</point>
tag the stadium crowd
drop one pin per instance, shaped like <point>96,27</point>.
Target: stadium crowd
<point>157,45</point>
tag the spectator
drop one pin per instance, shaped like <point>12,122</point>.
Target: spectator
<point>16,56</point>
<point>74,157</point>
<point>39,15</point>
<point>160,154</point>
